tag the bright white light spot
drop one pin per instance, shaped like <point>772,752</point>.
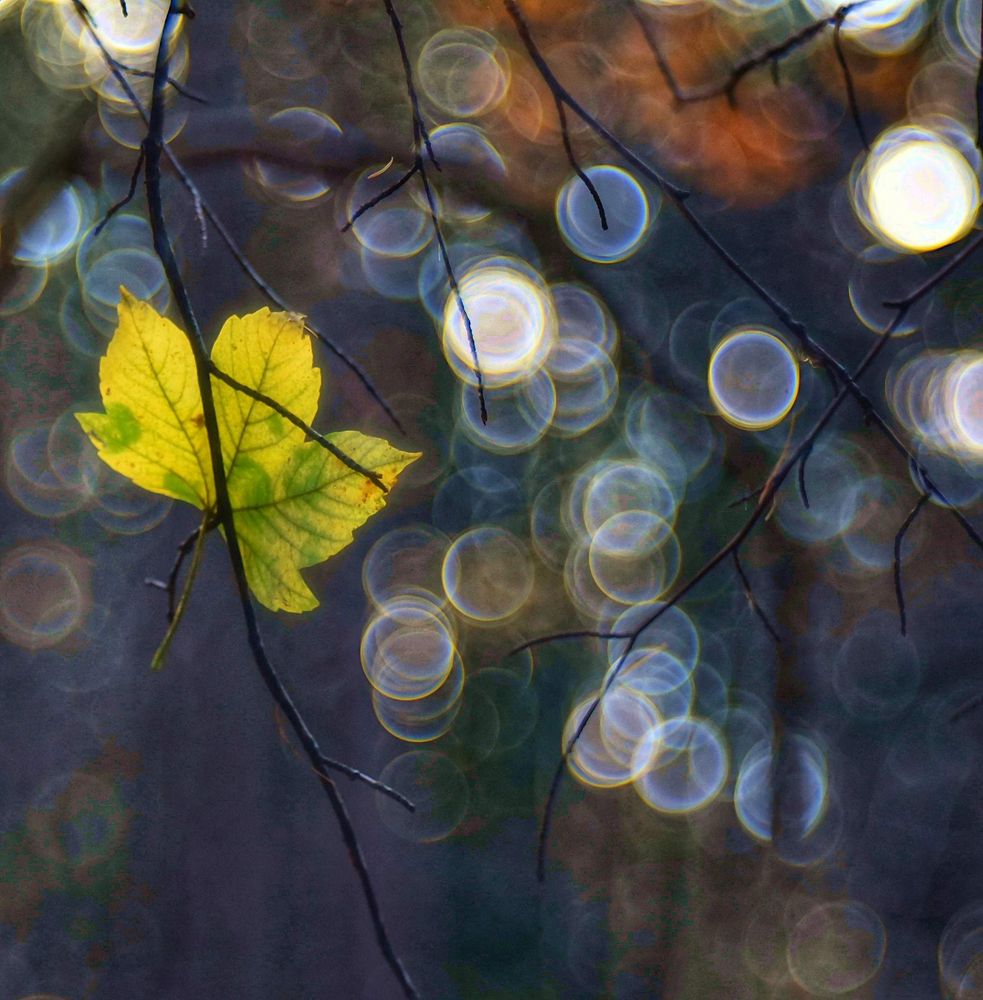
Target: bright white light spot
<point>920,191</point>
<point>512,320</point>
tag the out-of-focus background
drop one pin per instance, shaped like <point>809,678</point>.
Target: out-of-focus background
<point>159,834</point>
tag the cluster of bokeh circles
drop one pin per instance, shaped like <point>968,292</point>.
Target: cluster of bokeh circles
<point>565,503</point>
<point>66,57</point>
<point>50,468</point>
<point>70,272</point>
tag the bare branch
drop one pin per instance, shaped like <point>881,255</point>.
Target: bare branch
<point>154,145</point>
<point>802,477</point>
<point>677,196</point>
<point>778,475</point>
<point>171,82</point>
<point>170,586</point>
<point>572,160</point>
<point>648,33</point>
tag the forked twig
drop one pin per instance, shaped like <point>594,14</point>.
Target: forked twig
<point>421,143</point>
<point>771,56</point>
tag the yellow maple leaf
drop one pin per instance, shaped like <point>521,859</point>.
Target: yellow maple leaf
<point>294,503</point>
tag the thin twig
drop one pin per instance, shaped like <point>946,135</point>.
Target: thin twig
<point>559,636</point>
<point>203,207</point>
<point>312,434</point>
<point>752,600</point>
<point>775,480</point>
<point>154,146</point>
<point>898,539</point>
<point>174,615</point>
<point>170,587</point>
<point>572,160</point>
<point>422,136</point>
<point>965,709</point>
<point>127,198</point>
<point>381,196</point>
<point>420,131</point>
<point>851,94</point>
<point>802,477</point>
<point>656,49</point>
<point>744,499</point>
<point>770,56</point>
<point>171,82</point>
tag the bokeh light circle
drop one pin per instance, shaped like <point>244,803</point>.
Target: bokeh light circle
<point>43,595</point>
<point>836,947</point>
<point>916,190</point>
<point>407,648</point>
<point>626,209</point>
<point>436,787</point>
<point>464,71</point>
<point>617,743</point>
<point>689,769</point>
<point>487,574</point>
<point>512,321</point>
<point>753,379</point>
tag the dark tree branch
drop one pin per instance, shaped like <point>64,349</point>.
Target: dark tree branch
<point>775,480</point>
<point>422,137</point>
<point>154,145</point>
<point>744,499</point>
<point>778,475</point>
<point>898,539</point>
<point>561,636</point>
<point>202,206</point>
<point>802,477</point>
<point>170,587</point>
<point>419,124</point>
<point>771,56</point>
<point>752,601</point>
<point>677,196</point>
<point>312,434</point>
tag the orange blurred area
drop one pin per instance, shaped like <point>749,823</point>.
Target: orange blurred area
<point>770,141</point>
